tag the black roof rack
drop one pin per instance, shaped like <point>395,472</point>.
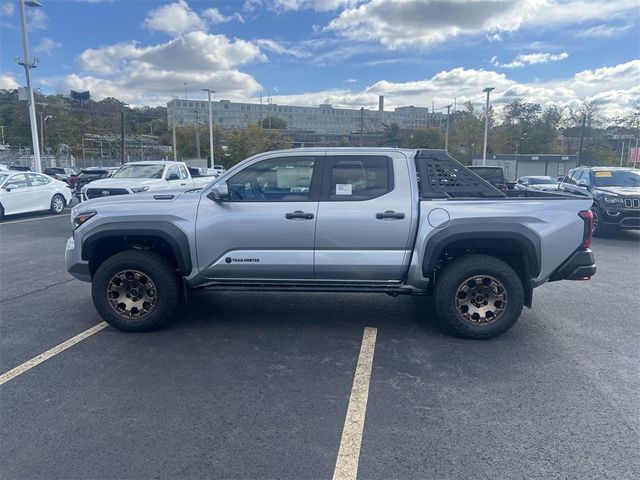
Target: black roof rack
<point>440,176</point>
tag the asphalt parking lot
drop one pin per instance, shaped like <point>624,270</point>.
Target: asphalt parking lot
<point>248,385</point>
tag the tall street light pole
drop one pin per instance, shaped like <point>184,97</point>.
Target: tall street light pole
<point>28,64</point>
<point>211,159</point>
<point>43,120</point>
<point>446,134</point>
<point>486,126</point>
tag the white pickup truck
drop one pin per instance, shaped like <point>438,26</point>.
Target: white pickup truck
<point>137,177</point>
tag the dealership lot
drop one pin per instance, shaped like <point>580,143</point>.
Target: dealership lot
<point>248,385</point>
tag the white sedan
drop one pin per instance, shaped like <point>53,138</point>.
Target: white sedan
<point>22,192</point>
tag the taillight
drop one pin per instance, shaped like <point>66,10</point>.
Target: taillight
<point>587,216</point>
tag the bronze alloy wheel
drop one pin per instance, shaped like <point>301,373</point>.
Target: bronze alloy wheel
<point>132,294</point>
<point>481,300</point>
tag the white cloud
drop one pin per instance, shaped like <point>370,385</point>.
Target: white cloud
<point>8,82</point>
<point>46,46</point>
<point>317,5</point>
<point>401,23</point>
<point>351,80</point>
<point>7,9</point>
<point>603,31</point>
<point>615,88</point>
<point>279,48</point>
<point>214,16</point>
<point>149,73</point>
<point>530,59</point>
<point>37,19</point>
<point>174,19</point>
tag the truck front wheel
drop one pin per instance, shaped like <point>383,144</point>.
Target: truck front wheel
<point>136,290</point>
<point>478,296</point>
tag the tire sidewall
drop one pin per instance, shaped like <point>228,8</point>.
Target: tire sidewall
<point>166,289</point>
<point>53,210</point>
<point>448,287</point>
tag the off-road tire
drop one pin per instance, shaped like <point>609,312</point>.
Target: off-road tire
<point>453,277</point>
<point>154,266</point>
<point>55,204</point>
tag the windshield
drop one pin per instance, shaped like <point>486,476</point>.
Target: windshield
<point>140,171</point>
<point>616,178</point>
<point>541,181</point>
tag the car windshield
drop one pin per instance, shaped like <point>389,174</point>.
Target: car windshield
<point>616,178</point>
<point>140,171</point>
<point>541,181</point>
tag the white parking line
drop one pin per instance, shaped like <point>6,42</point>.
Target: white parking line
<point>34,219</point>
<point>29,364</point>
<point>349,452</point>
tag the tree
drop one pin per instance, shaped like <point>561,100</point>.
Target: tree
<point>254,139</point>
<point>274,123</point>
<point>427,138</point>
<point>466,132</point>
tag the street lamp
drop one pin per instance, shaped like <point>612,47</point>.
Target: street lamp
<point>43,120</point>
<point>487,90</point>
<point>28,64</point>
<point>209,92</point>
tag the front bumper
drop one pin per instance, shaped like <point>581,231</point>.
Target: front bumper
<point>74,263</point>
<point>623,218</point>
<point>581,265</point>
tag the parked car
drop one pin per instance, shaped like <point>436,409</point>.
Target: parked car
<point>19,168</point>
<point>615,192</point>
<point>137,177</point>
<point>22,192</point>
<point>493,175</point>
<point>64,174</point>
<point>339,220</point>
<point>89,174</point>
<point>537,183</point>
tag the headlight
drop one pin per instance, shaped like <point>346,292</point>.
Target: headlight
<point>140,189</point>
<point>82,217</point>
<point>613,200</point>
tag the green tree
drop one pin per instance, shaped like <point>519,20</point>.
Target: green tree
<point>254,139</point>
<point>274,123</point>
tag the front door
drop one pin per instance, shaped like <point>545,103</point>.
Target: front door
<point>18,197</point>
<point>364,218</point>
<point>265,230</point>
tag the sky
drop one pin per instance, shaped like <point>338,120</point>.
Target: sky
<point>342,52</point>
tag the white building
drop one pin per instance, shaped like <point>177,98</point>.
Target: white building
<point>323,119</point>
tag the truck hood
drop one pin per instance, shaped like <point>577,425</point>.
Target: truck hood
<point>621,191</point>
<point>125,182</point>
<point>149,200</point>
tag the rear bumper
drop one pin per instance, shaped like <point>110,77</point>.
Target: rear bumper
<point>579,266</point>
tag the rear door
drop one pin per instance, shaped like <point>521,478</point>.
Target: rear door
<point>40,190</point>
<point>265,230</point>
<point>364,218</point>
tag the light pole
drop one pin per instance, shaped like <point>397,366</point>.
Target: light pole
<point>28,64</point>
<point>446,134</point>
<point>43,120</point>
<point>209,92</point>
<point>486,126</point>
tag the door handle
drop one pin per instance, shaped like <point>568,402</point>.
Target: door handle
<point>298,214</point>
<point>390,214</point>
<point>183,184</point>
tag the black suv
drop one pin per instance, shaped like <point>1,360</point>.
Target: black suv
<point>615,192</point>
<point>89,174</point>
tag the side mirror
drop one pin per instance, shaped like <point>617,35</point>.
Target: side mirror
<point>8,189</point>
<point>583,183</point>
<point>219,192</point>
<point>173,176</point>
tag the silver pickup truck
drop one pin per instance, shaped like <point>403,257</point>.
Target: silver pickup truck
<point>393,221</point>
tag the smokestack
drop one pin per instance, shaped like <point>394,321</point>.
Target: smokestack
<point>381,103</point>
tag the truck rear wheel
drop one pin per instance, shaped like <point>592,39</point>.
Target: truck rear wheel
<point>136,290</point>
<point>478,297</point>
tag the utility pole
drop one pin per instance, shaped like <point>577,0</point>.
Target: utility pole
<point>584,122</point>
<point>28,64</point>
<point>2,130</point>
<point>197,134</point>
<point>622,151</point>
<point>175,145</point>
<point>123,160</point>
<point>211,156</point>
<point>361,126</point>
<point>43,120</point>
<point>487,90</point>
<point>446,133</point>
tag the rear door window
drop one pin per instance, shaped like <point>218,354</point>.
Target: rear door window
<point>357,178</point>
